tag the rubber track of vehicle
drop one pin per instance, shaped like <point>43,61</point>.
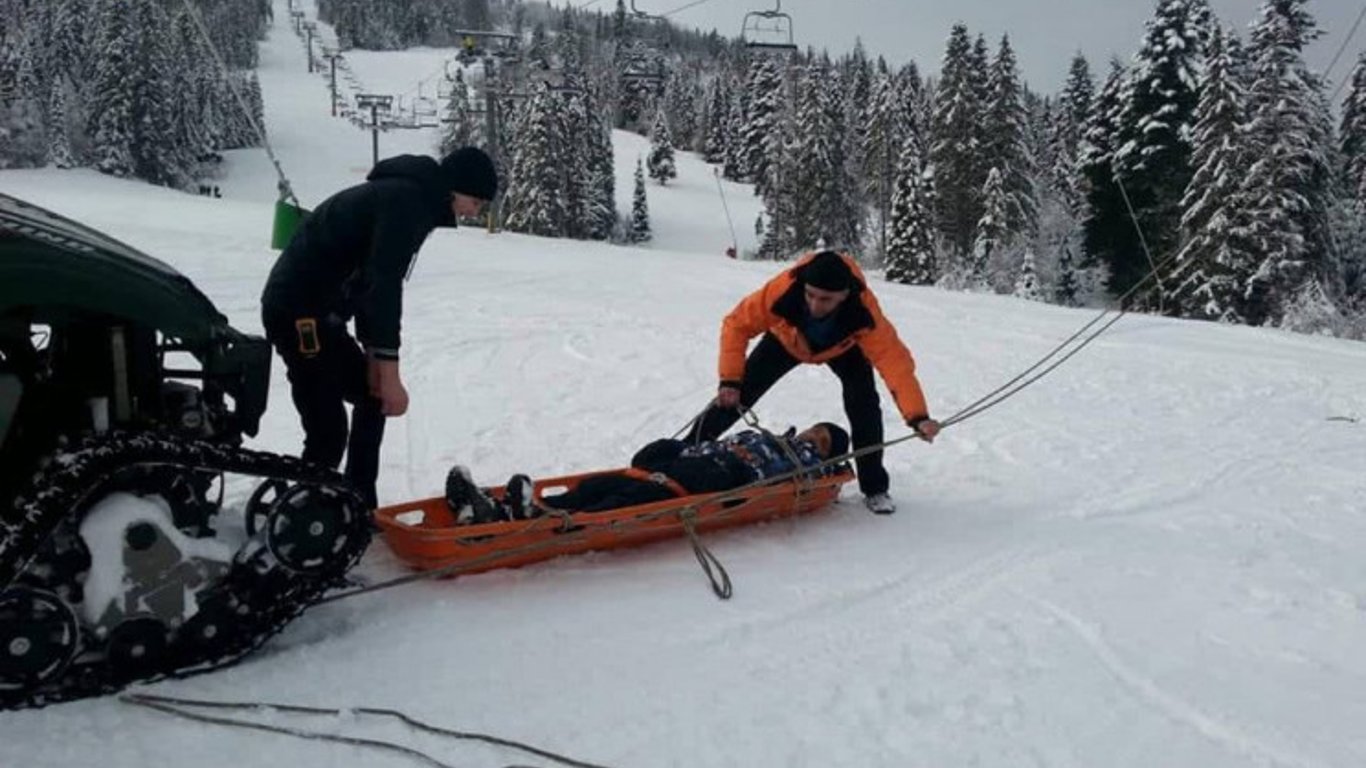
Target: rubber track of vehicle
<point>74,477</point>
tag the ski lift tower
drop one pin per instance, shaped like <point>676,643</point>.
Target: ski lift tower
<point>498,52</point>
<point>332,54</point>
<point>311,29</point>
<point>768,31</point>
<point>375,102</point>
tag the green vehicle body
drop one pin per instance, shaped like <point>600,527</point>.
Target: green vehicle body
<point>96,335</point>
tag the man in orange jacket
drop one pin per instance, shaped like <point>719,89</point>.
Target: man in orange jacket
<point>820,312</point>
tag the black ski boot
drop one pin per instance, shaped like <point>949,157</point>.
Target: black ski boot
<point>518,498</point>
<point>468,503</point>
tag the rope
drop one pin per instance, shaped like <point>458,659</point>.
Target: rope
<point>691,424</point>
<point>172,706</point>
<point>285,191</point>
<point>1143,240</point>
<point>1009,389</point>
<point>723,588</point>
<point>383,746</point>
<point>804,480</point>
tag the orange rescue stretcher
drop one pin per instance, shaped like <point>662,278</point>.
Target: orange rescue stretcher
<point>424,534</point>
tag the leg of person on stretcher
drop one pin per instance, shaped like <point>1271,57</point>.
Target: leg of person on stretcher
<point>664,469</point>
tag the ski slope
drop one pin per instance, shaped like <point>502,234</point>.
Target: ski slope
<point>1152,557</point>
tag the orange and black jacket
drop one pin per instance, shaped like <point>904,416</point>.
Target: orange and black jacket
<point>779,309</point>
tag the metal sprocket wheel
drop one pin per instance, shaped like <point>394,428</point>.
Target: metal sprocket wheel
<point>309,529</point>
<point>39,636</point>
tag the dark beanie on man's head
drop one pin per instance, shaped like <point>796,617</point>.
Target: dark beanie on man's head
<point>839,439</point>
<point>828,271</point>
<point>470,171</point>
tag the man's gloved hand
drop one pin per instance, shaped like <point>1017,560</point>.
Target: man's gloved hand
<point>925,427</point>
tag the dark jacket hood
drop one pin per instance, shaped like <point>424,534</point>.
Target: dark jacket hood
<point>427,174</point>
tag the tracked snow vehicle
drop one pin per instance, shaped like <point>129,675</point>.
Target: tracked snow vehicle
<point>124,399</point>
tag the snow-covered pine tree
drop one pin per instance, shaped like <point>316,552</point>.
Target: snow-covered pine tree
<point>979,72</point>
<point>1066,287</point>
<point>70,63</point>
<point>717,122</point>
<point>819,180</point>
<point>59,152</point>
<point>1027,279</point>
<point>1214,263</point>
<point>639,230</point>
<point>534,203</point>
<point>682,97</point>
<point>955,146</point>
<point>855,109</point>
<point>29,100</point>
<point>1108,230</point>
<point>1288,187</point>
<point>764,88</point>
<point>910,248</point>
<point>1353,128</point>
<point>993,231</point>
<point>844,219</point>
<point>1071,117</point>
<point>112,106</point>
<point>1152,157</point>
<point>460,128</point>
<point>574,137</point>
<point>880,153</point>
<point>661,158</point>
<point>777,227</point>
<point>733,167</point>
<point>602,203</point>
<point>1004,146</point>
<point>192,69</point>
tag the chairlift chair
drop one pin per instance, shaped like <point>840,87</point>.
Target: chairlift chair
<point>476,44</point>
<point>757,27</point>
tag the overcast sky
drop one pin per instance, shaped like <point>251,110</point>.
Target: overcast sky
<point>1044,33</point>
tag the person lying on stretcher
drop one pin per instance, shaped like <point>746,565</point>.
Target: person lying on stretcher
<point>664,469</point>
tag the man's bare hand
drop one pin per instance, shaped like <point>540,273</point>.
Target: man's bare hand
<point>386,386</point>
<point>927,429</point>
<point>728,397</point>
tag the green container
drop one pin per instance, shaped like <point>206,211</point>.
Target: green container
<point>288,216</point>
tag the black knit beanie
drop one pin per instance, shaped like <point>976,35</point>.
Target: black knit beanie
<point>470,171</point>
<point>839,439</point>
<point>828,272</point>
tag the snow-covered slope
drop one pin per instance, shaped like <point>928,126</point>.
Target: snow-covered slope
<point>1153,557</point>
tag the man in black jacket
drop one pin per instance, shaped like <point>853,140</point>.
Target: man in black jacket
<point>349,259</point>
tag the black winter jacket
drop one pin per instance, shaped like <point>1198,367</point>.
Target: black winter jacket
<point>351,255</point>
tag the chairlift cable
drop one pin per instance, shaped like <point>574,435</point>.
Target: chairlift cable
<point>1345,41</point>
<point>683,7</point>
<point>286,191</point>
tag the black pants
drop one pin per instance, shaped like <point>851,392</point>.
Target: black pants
<point>320,383</point>
<point>696,474</point>
<point>604,492</point>
<point>769,362</point>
